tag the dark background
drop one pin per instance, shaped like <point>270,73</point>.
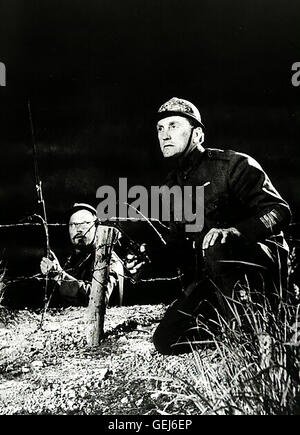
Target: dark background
<point>97,70</point>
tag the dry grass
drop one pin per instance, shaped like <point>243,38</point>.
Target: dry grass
<point>252,365</point>
<point>2,283</point>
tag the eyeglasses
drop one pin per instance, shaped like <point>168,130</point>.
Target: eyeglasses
<point>84,224</point>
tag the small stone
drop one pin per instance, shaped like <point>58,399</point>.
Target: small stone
<point>37,364</point>
<point>51,327</point>
<point>102,374</point>
<point>39,345</point>
<point>72,394</point>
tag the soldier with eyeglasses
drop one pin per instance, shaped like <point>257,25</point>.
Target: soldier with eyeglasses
<point>74,280</point>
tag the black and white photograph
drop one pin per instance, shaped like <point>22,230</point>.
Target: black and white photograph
<point>149,210</point>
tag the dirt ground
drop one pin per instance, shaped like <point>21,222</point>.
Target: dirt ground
<point>52,370</point>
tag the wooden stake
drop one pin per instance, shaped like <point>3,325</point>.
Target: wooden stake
<point>105,239</point>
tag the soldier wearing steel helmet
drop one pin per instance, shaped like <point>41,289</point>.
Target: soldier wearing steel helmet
<point>244,216</point>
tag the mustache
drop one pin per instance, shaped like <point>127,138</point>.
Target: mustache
<point>79,236</point>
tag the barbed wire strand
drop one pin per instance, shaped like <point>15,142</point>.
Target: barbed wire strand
<point>45,278</point>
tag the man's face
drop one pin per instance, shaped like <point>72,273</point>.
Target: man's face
<point>82,228</point>
<point>173,135</point>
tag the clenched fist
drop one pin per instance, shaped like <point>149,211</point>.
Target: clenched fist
<point>133,263</point>
<point>50,264</point>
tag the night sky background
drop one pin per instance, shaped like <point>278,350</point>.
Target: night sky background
<point>96,72</point>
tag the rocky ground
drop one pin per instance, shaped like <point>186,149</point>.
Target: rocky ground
<point>52,370</point>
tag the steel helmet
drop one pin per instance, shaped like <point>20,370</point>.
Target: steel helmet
<point>178,106</point>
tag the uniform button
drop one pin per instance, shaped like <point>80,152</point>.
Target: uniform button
<point>209,153</point>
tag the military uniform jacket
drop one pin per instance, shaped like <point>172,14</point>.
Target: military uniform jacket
<point>76,278</point>
<point>237,193</point>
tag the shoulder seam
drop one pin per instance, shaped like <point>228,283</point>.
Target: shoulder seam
<point>219,154</point>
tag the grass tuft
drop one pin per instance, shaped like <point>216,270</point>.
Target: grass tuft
<point>252,367</point>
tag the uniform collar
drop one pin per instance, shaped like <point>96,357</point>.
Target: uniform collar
<point>189,162</point>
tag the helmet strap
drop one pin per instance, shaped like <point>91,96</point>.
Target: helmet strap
<point>188,146</point>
